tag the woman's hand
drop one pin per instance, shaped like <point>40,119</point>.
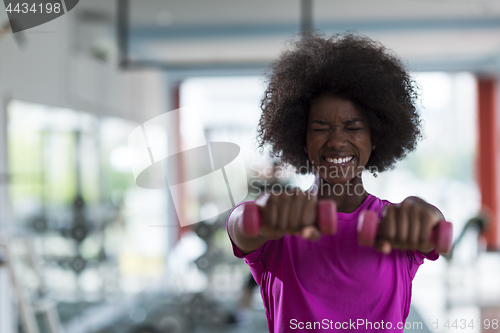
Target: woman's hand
<point>290,212</point>
<point>407,226</point>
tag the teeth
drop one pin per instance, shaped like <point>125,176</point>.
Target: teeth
<point>339,160</point>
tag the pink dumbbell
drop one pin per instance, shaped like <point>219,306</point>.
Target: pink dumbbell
<point>441,235</point>
<point>327,218</point>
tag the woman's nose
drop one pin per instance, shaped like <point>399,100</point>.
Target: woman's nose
<point>337,139</point>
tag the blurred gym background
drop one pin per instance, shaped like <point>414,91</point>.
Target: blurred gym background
<point>83,249</point>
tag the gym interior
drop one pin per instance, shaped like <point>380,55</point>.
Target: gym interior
<point>107,227</point>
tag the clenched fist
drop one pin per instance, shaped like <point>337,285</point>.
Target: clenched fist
<point>407,226</point>
<point>290,212</point>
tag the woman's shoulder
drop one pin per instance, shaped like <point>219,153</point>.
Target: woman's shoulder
<point>373,203</point>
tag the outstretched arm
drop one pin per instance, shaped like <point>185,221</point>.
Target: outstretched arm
<point>245,243</point>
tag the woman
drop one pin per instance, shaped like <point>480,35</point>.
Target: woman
<point>335,107</point>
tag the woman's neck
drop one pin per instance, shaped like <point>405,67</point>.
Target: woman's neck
<point>348,196</point>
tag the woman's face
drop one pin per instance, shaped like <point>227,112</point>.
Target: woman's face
<point>338,139</point>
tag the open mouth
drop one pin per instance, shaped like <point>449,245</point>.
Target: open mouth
<point>338,161</point>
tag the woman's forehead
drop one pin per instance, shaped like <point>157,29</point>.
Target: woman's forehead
<point>331,107</point>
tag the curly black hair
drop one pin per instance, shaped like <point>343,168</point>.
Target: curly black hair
<point>350,66</point>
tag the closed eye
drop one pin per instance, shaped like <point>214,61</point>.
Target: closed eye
<point>320,129</point>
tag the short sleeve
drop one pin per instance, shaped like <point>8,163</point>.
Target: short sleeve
<point>417,259</point>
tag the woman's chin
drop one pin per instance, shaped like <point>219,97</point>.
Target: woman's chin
<point>336,181</point>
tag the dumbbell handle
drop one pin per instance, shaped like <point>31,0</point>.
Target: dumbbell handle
<point>326,218</point>
<point>440,236</point>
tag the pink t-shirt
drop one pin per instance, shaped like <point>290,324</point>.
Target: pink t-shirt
<point>334,283</point>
